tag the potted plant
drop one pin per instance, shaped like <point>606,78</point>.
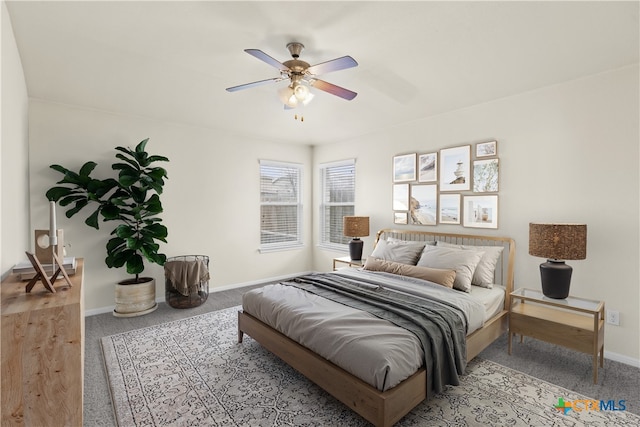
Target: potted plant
<point>132,200</point>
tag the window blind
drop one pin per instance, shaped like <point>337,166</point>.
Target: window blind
<point>338,183</point>
<point>280,205</point>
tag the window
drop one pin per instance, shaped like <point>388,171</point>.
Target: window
<point>280,205</point>
<point>338,183</point>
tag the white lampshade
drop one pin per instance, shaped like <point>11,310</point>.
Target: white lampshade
<point>294,95</point>
<point>288,97</point>
<point>301,92</point>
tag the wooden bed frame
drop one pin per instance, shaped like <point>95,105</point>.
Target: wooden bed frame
<point>384,409</point>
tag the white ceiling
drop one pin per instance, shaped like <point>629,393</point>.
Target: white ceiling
<point>173,60</point>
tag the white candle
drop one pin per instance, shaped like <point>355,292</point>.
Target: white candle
<point>53,235</point>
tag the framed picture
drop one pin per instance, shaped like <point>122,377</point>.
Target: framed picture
<point>428,167</point>
<point>401,197</point>
<point>480,211</point>
<point>485,176</point>
<point>404,168</point>
<point>399,217</point>
<point>449,212</point>
<point>455,168</point>
<point>487,149</point>
<point>423,204</point>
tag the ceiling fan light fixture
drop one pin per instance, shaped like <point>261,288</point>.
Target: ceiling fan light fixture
<point>300,91</point>
<point>294,95</point>
<point>287,96</point>
<point>308,98</point>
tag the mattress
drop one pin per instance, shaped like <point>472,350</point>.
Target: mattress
<point>372,349</point>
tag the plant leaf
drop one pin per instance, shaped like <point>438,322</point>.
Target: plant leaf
<point>92,220</point>
<point>55,193</point>
<point>135,264</point>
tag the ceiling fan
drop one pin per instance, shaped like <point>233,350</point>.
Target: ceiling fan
<point>301,76</point>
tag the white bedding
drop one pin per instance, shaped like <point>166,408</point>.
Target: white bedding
<point>492,299</point>
<point>375,350</point>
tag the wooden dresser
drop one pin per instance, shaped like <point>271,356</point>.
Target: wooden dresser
<point>42,353</point>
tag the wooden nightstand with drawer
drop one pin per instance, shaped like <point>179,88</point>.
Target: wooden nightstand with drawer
<point>575,323</point>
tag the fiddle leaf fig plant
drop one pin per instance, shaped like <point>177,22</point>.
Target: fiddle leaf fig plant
<point>132,200</point>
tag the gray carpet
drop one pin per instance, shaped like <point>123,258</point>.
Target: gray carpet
<point>565,368</point>
<point>167,375</point>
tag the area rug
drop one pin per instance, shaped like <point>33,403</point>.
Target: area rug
<point>193,372</point>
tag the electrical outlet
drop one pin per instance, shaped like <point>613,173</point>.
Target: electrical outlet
<point>613,317</point>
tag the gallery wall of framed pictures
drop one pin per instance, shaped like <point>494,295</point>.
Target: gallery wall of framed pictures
<point>455,185</point>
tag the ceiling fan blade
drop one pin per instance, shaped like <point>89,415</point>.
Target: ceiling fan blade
<point>333,65</point>
<point>266,58</point>
<point>253,84</point>
<point>333,89</point>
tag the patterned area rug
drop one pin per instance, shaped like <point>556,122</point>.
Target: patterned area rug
<point>192,372</point>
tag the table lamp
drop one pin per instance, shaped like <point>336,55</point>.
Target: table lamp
<point>557,242</point>
<point>355,227</point>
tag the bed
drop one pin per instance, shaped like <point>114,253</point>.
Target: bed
<point>381,402</point>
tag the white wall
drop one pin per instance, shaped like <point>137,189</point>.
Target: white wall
<point>568,153</point>
<point>14,165</point>
<point>211,200</point>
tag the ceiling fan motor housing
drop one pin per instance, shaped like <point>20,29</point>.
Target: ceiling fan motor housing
<point>295,49</point>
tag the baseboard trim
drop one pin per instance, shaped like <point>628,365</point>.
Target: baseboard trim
<point>109,309</point>
<point>622,359</point>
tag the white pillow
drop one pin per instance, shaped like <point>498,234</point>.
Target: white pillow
<point>401,251</point>
<point>462,261</point>
<point>485,273</point>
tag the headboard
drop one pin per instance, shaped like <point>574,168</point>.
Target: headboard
<point>504,269</point>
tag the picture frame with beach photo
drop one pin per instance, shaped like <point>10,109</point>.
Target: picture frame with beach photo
<point>428,167</point>
<point>423,204</point>
<point>449,209</point>
<point>404,168</point>
<point>455,168</point>
<point>400,218</point>
<point>401,197</point>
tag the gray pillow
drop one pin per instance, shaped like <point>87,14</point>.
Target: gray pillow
<point>485,273</point>
<point>464,262</point>
<point>401,251</point>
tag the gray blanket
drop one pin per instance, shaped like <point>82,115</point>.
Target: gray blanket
<point>439,327</point>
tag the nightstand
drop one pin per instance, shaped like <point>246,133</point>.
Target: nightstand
<point>575,323</point>
<point>347,260</point>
